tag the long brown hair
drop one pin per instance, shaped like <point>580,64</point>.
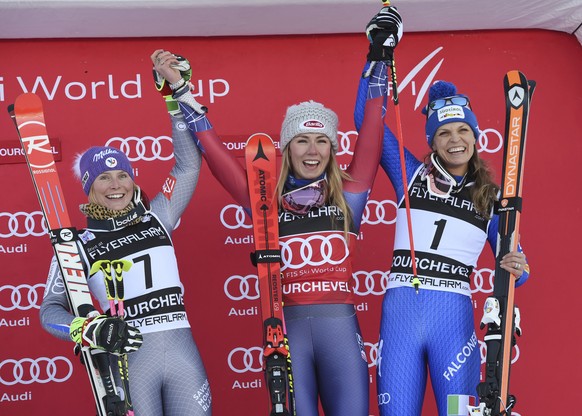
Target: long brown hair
<point>335,177</point>
<point>484,191</point>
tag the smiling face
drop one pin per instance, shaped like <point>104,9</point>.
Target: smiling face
<point>310,154</point>
<point>454,143</point>
<point>112,189</point>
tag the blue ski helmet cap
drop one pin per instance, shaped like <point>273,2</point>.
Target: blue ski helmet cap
<point>446,106</point>
<point>96,160</point>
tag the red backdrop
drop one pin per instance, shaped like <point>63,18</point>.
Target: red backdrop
<point>100,91</point>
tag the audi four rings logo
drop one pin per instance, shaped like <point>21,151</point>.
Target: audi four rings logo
<point>241,360</point>
<point>483,352</point>
<point>345,142</point>
<point>483,280</point>
<point>370,283</point>
<point>383,398</point>
<point>58,287</point>
<point>22,297</point>
<point>233,216</point>
<point>372,353</point>
<point>308,251</point>
<point>485,145</point>
<point>490,141</point>
<point>146,148</point>
<point>40,370</point>
<point>379,212</point>
<point>242,287</point>
<point>22,224</point>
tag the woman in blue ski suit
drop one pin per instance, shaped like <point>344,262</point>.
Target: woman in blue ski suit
<point>451,198</point>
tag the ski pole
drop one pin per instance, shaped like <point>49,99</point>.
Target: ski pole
<point>117,269</point>
<point>105,267</point>
<point>415,280</point>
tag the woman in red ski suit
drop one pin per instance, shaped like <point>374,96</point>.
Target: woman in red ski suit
<point>319,219</point>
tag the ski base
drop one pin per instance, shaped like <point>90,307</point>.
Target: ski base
<point>260,156</point>
<point>500,314</point>
<point>28,116</point>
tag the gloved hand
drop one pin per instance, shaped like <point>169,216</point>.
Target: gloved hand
<point>111,334</point>
<point>384,32</point>
<point>172,75</point>
<point>170,70</point>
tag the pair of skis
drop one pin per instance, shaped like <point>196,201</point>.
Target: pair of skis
<point>500,314</point>
<point>260,157</point>
<point>27,114</point>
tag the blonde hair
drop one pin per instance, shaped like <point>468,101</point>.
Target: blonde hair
<point>335,178</point>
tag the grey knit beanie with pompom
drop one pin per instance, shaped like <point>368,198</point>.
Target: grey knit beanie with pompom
<point>309,117</point>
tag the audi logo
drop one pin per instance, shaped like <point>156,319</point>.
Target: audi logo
<point>22,297</point>
<point>241,360</point>
<point>370,283</point>
<point>146,148</point>
<point>40,370</point>
<point>238,287</point>
<point>58,286</point>
<point>233,216</point>
<point>383,398</point>
<point>483,142</point>
<point>483,280</point>
<point>371,353</point>
<point>22,224</point>
<point>483,351</point>
<point>379,214</point>
<point>309,252</point>
<point>345,142</point>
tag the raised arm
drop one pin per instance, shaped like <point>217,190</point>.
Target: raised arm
<point>180,183</point>
<point>225,168</point>
<point>372,94</point>
<point>384,32</point>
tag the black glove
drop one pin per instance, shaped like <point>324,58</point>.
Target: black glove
<point>384,32</point>
<point>111,334</point>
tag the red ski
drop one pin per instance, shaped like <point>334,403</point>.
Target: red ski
<point>260,155</point>
<point>27,114</point>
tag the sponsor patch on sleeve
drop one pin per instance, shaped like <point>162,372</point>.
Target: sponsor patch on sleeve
<point>168,186</point>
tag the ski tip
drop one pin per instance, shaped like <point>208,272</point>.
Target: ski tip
<point>532,85</point>
<point>517,77</point>
<point>27,101</point>
<point>514,77</point>
<point>256,136</point>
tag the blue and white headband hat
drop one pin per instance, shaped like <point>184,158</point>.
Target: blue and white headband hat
<point>96,160</point>
<point>446,106</point>
<point>309,117</point>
